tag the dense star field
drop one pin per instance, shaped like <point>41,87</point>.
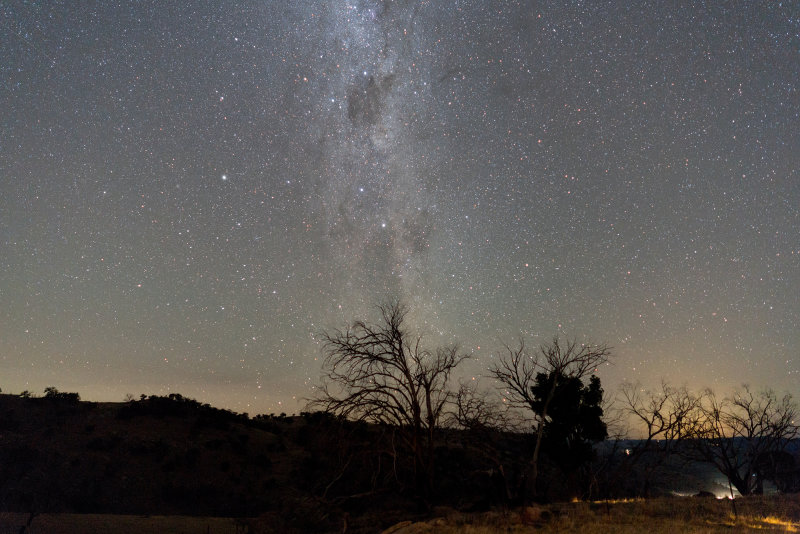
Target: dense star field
<point>190,194</point>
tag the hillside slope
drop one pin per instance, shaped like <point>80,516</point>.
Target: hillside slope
<point>173,455</point>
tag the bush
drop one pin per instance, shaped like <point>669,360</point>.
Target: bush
<point>53,394</point>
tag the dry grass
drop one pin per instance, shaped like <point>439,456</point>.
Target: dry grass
<point>10,523</point>
<point>656,516</point>
<point>685,515</point>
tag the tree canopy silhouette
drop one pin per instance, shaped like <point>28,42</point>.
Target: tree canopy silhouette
<point>575,419</point>
<point>517,370</point>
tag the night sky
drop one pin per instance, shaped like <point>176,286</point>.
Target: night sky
<point>190,193</point>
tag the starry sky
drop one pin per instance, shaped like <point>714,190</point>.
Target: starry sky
<point>190,193</point>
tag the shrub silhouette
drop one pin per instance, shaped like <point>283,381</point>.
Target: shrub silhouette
<point>54,394</point>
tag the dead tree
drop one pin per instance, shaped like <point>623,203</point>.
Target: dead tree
<point>379,373</point>
<point>661,419</point>
<point>736,433</point>
<point>485,422</point>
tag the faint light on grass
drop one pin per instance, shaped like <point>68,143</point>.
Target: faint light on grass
<point>619,501</point>
<point>790,526</point>
<point>759,523</point>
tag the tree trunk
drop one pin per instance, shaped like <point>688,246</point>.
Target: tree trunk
<point>743,486</point>
<point>532,491</point>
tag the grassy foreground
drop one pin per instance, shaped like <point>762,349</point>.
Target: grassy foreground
<point>687,515</point>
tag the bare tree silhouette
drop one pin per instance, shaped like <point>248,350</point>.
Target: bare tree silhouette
<point>734,434</point>
<point>662,419</point>
<point>380,373</point>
